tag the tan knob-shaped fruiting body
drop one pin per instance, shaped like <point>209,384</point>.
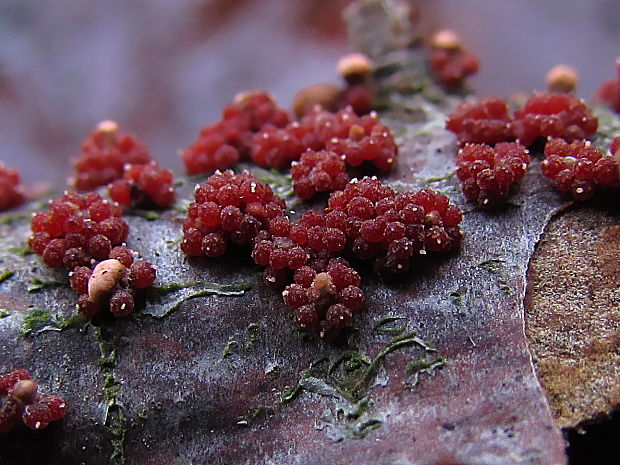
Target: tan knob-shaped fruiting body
<point>446,39</point>
<point>242,97</point>
<point>25,391</point>
<point>104,279</point>
<point>562,79</point>
<point>324,284</point>
<point>325,94</point>
<point>107,127</point>
<point>354,66</point>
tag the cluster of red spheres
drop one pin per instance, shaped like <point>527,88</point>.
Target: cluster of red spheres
<point>11,194</point>
<point>104,154</point>
<point>579,168</point>
<point>144,185</point>
<point>255,128</point>
<point>21,402</point>
<point>486,173</point>
<point>450,61</point>
<point>223,144</point>
<point>228,208</point>
<point>609,92</point>
<point>543,115</point>
<point>324,297</point>
<point>79,232</point>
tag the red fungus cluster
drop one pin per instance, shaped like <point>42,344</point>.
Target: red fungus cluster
<point>11,194</point>
<point>264,133</point>
<point>579,168</point>
<point>228,207</point>
<point>553,115</point>
<point>143,186</point>
<point>76,229</point>
<point>79,231</point>
<point>104,155</point>
<point>450,61</point>
<point>366,220</point>
<point>486,121</point>
<point>324,296</point>
<point>221,145</point>
<point>609,92</point>
<point>321,171</point>
<point>543,115</point>
<point>20,402</point>
<point>486,173</point>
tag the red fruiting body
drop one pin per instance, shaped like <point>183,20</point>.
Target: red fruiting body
<point>228,208</point>
<point>484,122</point>
<point>221,145</point>
<point>578,168</point>
<point>123,254</point>
<point>487,173</point>
<point>10,190</point>
<point>321,171</point>
<point>453,65</point>
<point>359,97</point>
<point>609,92</point>
<point>104,154</point>
<point>75,229</point>
<point>121,303</point>
<point>19,400</point>
<point>553,115</point>
<point>325,298</point>
<point>142,275</point>
<point>78,278</point>
<point>144,185</point>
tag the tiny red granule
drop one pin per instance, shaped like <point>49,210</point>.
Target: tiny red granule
<point>578,168</point>
<point>553,115</point>
<point>450,61</point>
<point>367,140</point>
<point>144,186</point>
<point>609,92</point>
<point>321,171</point>
<point>11,194</point>
<point>223,144</point>
<point>20,401</point>
<point>76,229</point>
<point>103,155</point>
<point>228,208</point>
<point>324,297</point>
<point>487,173</point>
<point>484,122</point>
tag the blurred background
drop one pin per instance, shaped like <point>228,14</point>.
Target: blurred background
<point>165,68</point>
